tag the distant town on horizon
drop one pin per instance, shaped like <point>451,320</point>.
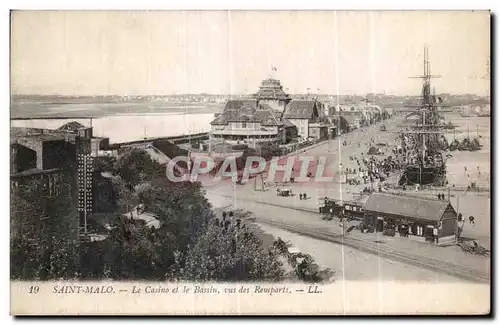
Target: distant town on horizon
<point>240,95</point>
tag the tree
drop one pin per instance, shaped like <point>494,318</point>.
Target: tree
<point>124,194</point>
<point>135,251</point>
<point>136,166</point>
<point>231,254</point>
<point>305,268</point>
<point>182,208</point>
<point>105,164</point>
<point>44,233</point>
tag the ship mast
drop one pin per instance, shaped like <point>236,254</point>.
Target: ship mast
<point>425,133</point>
<point>422,140</point>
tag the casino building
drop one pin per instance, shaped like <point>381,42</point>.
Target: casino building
<point>270,115</point>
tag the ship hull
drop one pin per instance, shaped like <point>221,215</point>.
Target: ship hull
<point>423,175</point>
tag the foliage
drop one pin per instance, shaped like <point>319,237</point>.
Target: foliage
<point>269,151</point>
<point>43,250</point>
<point>231,254</point>
<point>135,166</point>
<point>182,208</point>
<point>105,164</point>
<point>105,198</point>
<point>52,256</point>
<point>123,193</point>
<point>304,266</point>
<point>132,249</point>
<point>135,251</point>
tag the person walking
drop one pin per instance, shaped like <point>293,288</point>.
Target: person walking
<point>436,236</point>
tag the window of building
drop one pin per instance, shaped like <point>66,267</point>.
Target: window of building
<point>244,125</point>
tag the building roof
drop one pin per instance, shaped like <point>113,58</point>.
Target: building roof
<point>288,124</point>
<point>351,119</point>
<point>151,219</point>
<point>271,89</point>
<point>71,126</point>
<point>45,137</point>
<point>300,109</point>
<point>157,155</point>
<point>247,111</point>
<point>406,206</point>
<point>19,132</point>
<point>41,137</point>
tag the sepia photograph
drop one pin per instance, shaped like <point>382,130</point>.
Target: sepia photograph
<point>243,162</point>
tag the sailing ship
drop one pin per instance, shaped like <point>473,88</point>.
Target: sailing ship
<point>484,112</point>
<point>422,141</point>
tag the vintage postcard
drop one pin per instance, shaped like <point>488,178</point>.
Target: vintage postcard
<point>250,162</point>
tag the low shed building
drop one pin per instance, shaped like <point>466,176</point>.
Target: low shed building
<point>419,218</point>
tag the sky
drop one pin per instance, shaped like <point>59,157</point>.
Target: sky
<point>230,52</point>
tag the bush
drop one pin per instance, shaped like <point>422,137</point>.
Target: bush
<point>50,251</point>
<point>231,254</point>
<point>135,166</point>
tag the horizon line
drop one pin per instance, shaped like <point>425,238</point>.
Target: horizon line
<point>213,94</point>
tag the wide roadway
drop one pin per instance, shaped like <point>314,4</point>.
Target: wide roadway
<point>267,207</point>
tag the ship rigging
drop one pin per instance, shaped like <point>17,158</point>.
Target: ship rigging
<point>422,140</point>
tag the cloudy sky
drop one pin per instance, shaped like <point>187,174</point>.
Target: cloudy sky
<point>162,52</point>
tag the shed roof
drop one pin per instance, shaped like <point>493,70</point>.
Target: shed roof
<point>406,206</point>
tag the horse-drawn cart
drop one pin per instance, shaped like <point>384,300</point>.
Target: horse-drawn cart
<point>284,192</point>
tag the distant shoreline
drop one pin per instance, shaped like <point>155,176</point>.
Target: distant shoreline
<point>85,108</point>
<point>66,117</point>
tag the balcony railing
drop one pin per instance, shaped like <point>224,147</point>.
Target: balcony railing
<point>244,132</point>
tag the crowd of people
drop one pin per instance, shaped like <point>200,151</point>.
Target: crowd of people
<point>371,169</point>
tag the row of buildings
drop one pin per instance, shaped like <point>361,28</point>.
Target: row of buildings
<point>272,115</point>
